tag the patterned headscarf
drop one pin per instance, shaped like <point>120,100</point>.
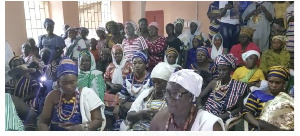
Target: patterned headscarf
<point>155,24</point>
<point>171,50</point>
<point>179,20</point>
<point>247,31</point>
<point>48,20</point>
<point>205,50</point>
<point>67,66</point>
<point>282,38</point>
<point>280,72</point>
<point>101,29</point>
<point>140,55</point>
<point>226,59</point>
<point>132,23</point>
<point>279,112</point>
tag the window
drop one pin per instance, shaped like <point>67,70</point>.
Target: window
<point>93,14</point>
<point>35,14</point>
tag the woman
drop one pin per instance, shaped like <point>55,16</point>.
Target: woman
<point>156,44</point>
<point>102,38</point>
<point>245,45</point>
<point>225,95</point>
<point>217,48</point>
<point>115,37</point>
<point>74,45</point>
<point>191,58</point>
<point>259,16</point>
<point>84,32</point>
<point>29,58</point>
<point>203,66</point>
<point>51,40</point>
<point>142,29</point>
<point>88,75</point>
<point>249,74</point>
<point>121,29</point>
<point>181,114</point>
<point>277,55</point>
<point>71,108</point>
<point>133,43</point>
<point>22,87</point>
<point>94,50</point>
<point>34,49</point>
<point>117,70</point>
<point>173,41</point>
<point>114,76</point>
<point>179,24</point>
<point>135,83</point>
<point>213,13</point>
<point>150,101</point>
<point>104,60</point>
<point>257,99</point>
<point>289,19</point>
<point>172,57</point>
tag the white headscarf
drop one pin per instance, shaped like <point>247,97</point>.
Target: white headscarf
<point>249,53</point>
<point>162,71</point>
<point>117,77</point>
<point>188,37</point>
<point>189,80</point>
<point>214,52</point>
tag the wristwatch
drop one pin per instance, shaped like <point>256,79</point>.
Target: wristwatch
<point>230,116</point>
<point>86,127</point>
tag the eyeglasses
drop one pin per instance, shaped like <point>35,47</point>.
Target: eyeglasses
<point>176,96</point>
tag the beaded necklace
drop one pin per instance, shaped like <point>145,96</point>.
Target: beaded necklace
<point>221,88</point>
<point>148,103</point>
<point>133,78</point>
<point>74,100</point>
<point>188,121</point>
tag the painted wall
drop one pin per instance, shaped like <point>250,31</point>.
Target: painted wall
<point>116,11</point>
<point>15,25</point>
<point>70,11</point>
<point>186,10</point>
<point>56,14</point>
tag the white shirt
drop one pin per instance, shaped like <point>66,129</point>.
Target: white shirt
<point>80,45</point>
<point>226,17</point>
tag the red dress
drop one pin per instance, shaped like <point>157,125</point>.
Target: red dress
<point>96,54</point>
<point>237,52</point>
<point>156,51</point>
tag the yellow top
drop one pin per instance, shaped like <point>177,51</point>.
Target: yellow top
<point>242,72</point>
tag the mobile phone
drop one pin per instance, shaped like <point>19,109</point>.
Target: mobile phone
<point>230,3</point>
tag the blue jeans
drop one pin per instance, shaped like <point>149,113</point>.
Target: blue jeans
<point>230,34</point>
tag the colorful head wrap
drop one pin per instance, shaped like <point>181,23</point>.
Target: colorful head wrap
<point>171,50</point>
<point>205,50</point>
<point>282,38</point>
<point>189,80</point>
<point>179,20</point>
<point>247,31</point>
<point>67,66</point>
<point>226,59</point>
<point>155,24</point>
<point>249,53</point>
<point>48,20</point>
<point>101,29</point>
<point>280,72</point>
<point>140,55</point>
<point>132,23</point>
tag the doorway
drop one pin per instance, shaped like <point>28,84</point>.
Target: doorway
<point>157,16</point>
